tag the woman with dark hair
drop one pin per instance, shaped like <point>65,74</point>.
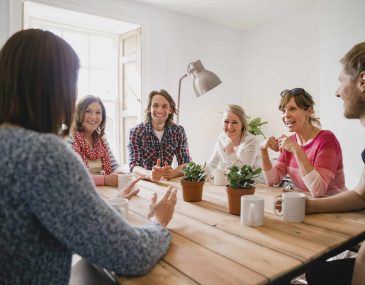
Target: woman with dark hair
<point>311,157</point>
<point>154,143</point>
<point>89,142</point>
<point>49,208</point>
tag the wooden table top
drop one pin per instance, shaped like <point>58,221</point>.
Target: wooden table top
<point>211,246</point>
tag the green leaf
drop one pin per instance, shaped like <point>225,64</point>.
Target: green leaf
<point>243,177</point>
<point>255,125</point>
<point>194,172</point>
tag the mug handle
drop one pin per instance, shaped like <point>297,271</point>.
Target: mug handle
<point>252,219</point>
<point>278,200</point>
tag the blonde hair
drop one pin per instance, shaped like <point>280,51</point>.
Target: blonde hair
<point>354,60</point>
<point>240,113</point>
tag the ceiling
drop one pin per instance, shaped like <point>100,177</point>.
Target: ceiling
<point>237,14</point>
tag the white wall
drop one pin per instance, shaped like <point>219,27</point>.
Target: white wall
<point>280,55</point>
<point>170,42</point>
<point>4,20</point>
<point>303,50</point>
<point>342,26</point>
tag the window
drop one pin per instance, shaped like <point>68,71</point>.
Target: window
<point>109,64</point>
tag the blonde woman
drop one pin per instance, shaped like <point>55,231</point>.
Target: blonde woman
<point>235,145</point>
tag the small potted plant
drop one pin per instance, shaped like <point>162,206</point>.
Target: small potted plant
<point>241,182</point>
<point>255,126</point>
<point>193,181</point>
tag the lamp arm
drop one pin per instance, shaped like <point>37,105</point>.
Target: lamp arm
<point>178,98</point>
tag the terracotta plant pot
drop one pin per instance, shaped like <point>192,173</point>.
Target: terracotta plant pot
<point>234,198</point>
<point>192,191</point>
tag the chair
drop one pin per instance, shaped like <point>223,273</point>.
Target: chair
<point>84,273</point>
<point>287,183</point>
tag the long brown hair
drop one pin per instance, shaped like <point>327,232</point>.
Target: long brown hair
<point>164,93</point>
<point>81,107</point>
<point>38,82</point>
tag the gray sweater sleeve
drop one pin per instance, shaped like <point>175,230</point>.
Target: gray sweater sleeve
<point>113,161</point>
<point>63,198</point>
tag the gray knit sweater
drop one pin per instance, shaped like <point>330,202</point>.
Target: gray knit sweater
<point>49,209</point>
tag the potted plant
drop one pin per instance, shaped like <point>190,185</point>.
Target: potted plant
<point>193,182</point>
<point>255,126</point>
<point>241,182</point>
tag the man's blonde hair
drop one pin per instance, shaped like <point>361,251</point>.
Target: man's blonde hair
<point>354,61</point>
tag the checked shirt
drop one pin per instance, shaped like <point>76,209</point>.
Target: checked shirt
<point>145,148</point>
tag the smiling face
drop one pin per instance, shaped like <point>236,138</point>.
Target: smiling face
<point>92,118</point>
<point>294,117</point>
<point>160,109</point>
<point>232,125</point>
<point>350,93</point>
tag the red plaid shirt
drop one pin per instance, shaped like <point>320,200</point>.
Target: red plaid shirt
<point>145,148</point>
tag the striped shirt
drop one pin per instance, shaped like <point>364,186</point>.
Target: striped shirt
<point>325,154</point>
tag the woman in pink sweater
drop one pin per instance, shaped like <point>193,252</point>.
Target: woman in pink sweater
<point>311,157</point>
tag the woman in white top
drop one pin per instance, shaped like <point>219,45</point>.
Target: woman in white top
<point>235,146</point>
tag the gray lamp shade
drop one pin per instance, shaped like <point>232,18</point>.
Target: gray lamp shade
<point>204,80</point>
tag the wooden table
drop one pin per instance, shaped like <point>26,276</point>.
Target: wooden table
<point>211,246</point>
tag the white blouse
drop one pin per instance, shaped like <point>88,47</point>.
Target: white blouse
<point>245,153</point>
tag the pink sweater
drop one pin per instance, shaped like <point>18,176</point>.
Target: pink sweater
<point>324,153</point>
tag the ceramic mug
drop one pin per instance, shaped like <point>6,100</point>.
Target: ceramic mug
<point>220,177</point>
<point>120,205</point>
<point>124,179</point>
<point>292,206</point>
<point>252,210</point>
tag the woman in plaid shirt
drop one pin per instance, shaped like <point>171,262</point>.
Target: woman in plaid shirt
<point>154,143</point>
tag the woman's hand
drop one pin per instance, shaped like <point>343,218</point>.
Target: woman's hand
<point>163,210</point>
<point>111,180</point>
<point>271,143</point>
<point>229,147</point>
<point>128,192</point>
<point>286,143</point>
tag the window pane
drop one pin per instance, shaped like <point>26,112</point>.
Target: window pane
<point>128,123</point>
<point>132,92</point>
<point>80,42</point>
<point>83,83</point>
<point>111,125</point>
<point>103,83</point>
<point>103,52</point>
<point>130,45</point>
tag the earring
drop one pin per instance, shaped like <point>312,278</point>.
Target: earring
<point>64,127</point>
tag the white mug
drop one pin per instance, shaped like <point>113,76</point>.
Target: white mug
<point>124,179</point>
<point>292,206</point>
<point>252,210</point>
<point>120,205</point>
<point>219,177</point>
